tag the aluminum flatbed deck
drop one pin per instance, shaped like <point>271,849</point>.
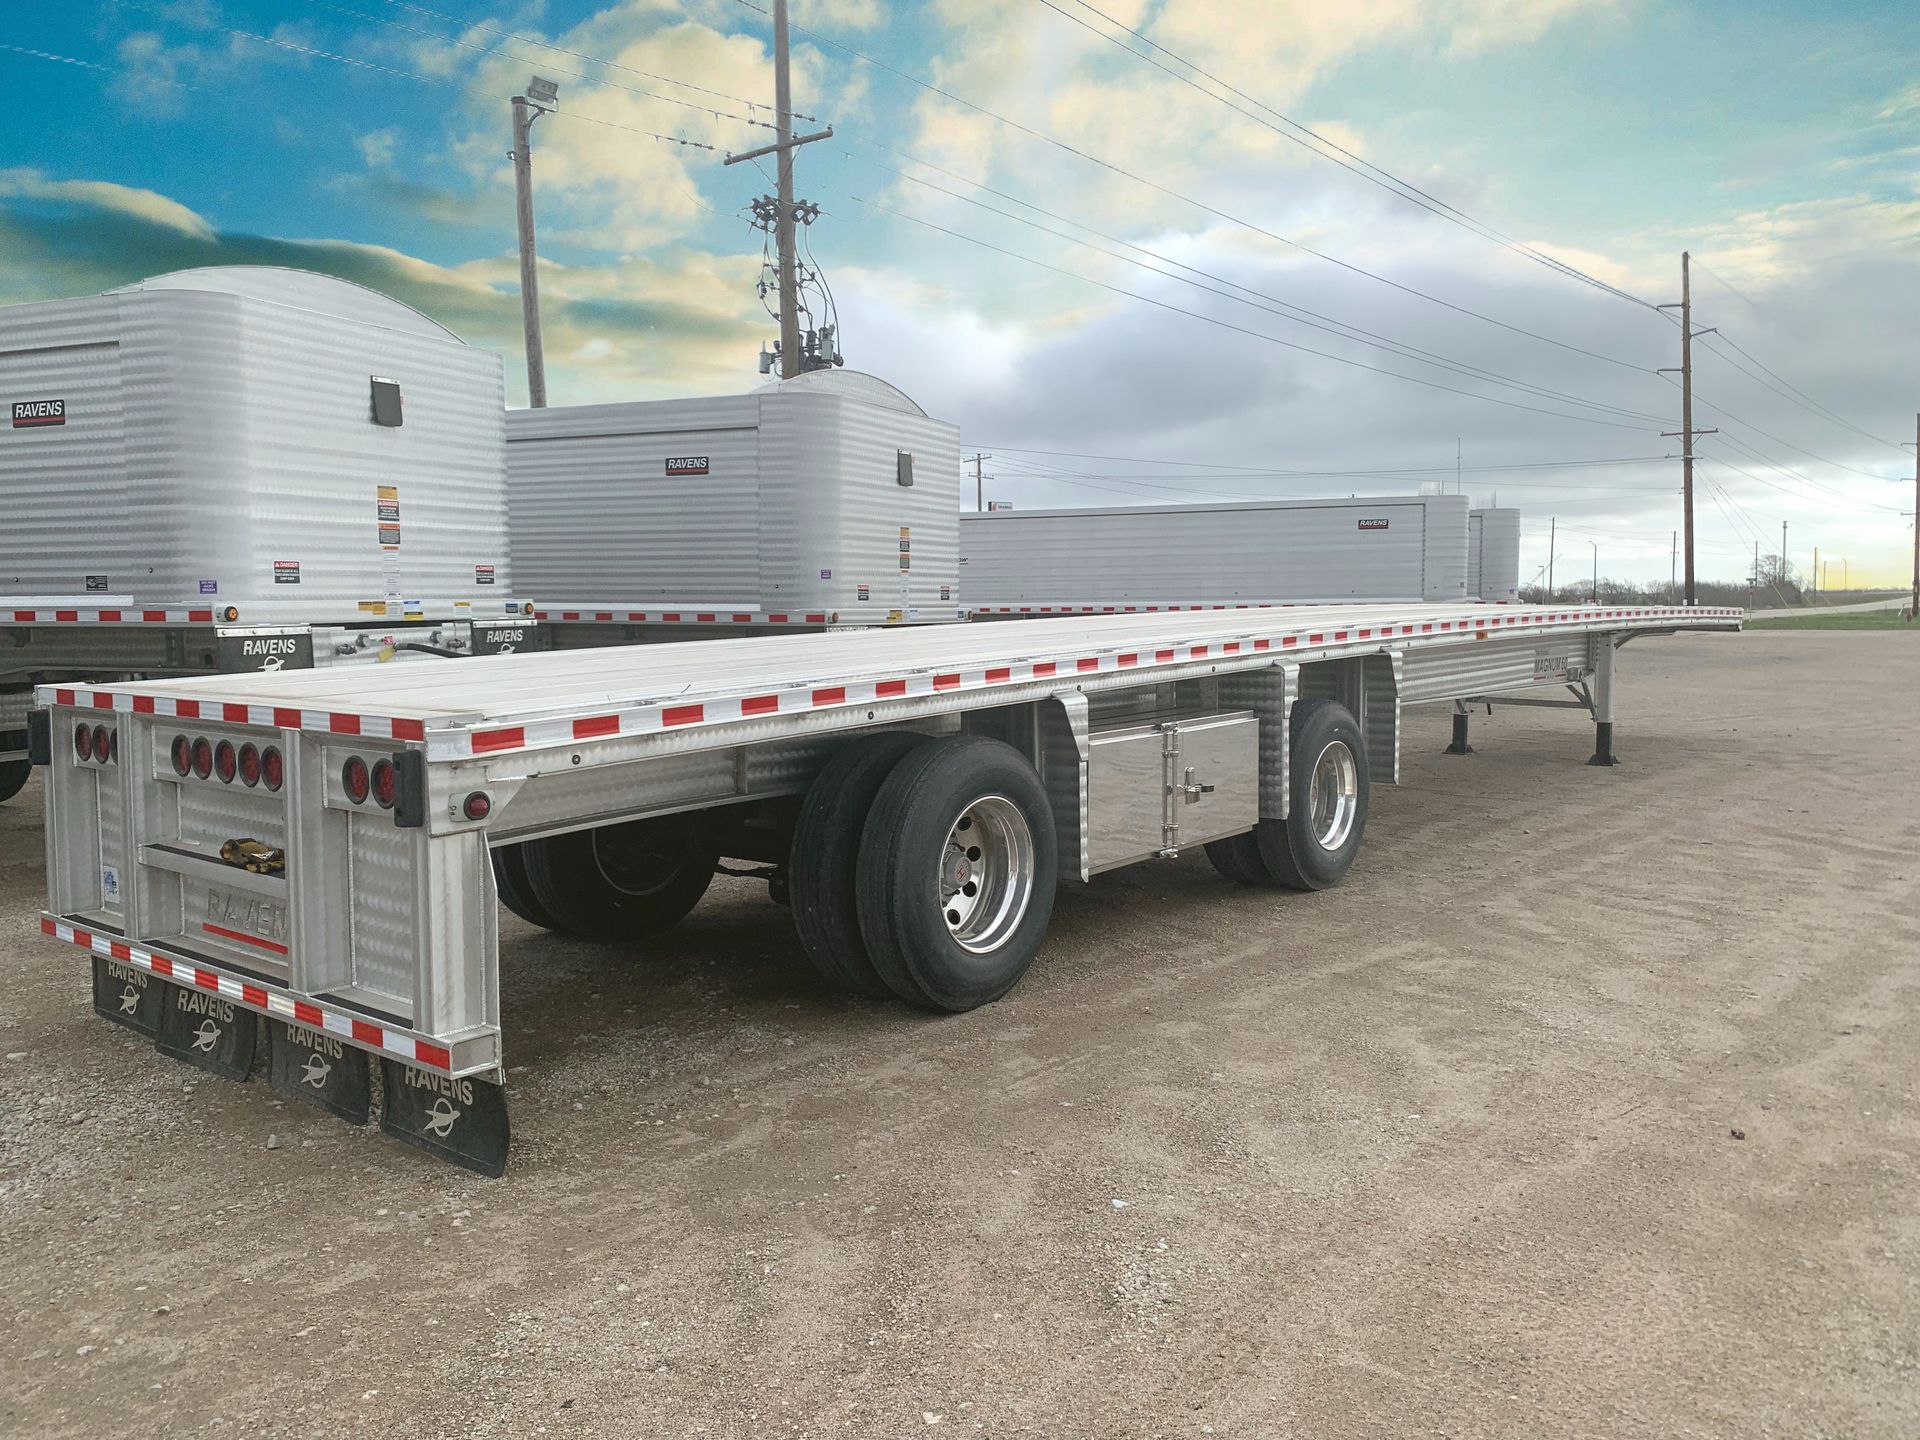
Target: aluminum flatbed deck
<point>914,795</point>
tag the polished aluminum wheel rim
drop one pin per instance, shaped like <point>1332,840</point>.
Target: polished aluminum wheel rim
<point>986,874</point>
<point>1336,795</point>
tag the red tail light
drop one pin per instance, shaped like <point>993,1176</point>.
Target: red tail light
<point>202,757</point>
<point>225,762</point>
<point>477,806</point>
<point>182,755</point>
<point>83,741</point>
<point>384,783</point>
<point>272,768</point>
<point>249,766</point>
<point>355,780</point>
<point>102,744</point>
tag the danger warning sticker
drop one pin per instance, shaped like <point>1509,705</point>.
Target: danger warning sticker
<point>286,572</point>
<point>483,574</point>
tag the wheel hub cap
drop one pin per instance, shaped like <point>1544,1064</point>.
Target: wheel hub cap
<point>986,874</point>
<point>1336,790</point>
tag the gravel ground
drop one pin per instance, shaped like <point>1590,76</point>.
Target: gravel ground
<point>1587,1107</point>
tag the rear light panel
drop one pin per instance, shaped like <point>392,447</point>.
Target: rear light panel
<point>218,760</point>
<point>95,745</point>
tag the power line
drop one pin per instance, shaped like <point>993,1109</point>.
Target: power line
<point>1341,156</point>
<point>1383,470</point>
<point>434,80</point>
<point>582,55</point>
<point>1229,325</point>
<point>1787,390</point>
<point>1331,326</point>
<point>489,50</point>
<point>1154,185</point>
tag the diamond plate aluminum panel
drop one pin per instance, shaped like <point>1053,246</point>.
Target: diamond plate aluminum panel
<point>380,904</point>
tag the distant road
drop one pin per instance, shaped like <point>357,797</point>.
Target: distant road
<point>1892,602</point>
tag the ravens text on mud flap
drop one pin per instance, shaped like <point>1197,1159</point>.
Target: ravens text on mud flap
<point>265,650</point>
<point>204,1030</point>
<point>462,1119</point>
<point>128,995</point>
<point>320,1069</point>
<point>508,637</point>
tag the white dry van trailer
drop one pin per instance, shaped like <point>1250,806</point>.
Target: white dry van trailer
<point>1176,557</point>
<point>242,467</point>
<point>915,793</point>
<point>830,499</point>
<point>1493,554</point>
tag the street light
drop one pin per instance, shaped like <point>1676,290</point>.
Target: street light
<point>1596,570</point>
<point>542,95</point>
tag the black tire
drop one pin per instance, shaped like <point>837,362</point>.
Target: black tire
<point>516,891</point>
<point>622,882</point>
<point>13,777</point>
<point>826,849</point>
<point>1238,859</point>
<point>943,789</point>
<point>1291,848</point>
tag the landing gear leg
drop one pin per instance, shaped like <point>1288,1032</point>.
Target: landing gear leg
<point>1603,663</point>
<point>1459,745</point>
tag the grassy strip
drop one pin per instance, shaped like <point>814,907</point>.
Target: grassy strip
<point>1865,620</point>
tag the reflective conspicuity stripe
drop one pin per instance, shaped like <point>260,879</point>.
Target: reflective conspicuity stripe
<point>681,615</point>
<point>267,999</point>
<point>266,717</point>
<point>647,718</point>
<point>126,615</point>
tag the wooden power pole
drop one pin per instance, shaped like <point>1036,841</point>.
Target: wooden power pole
<point>1686,431</point>
<point>525,112</point>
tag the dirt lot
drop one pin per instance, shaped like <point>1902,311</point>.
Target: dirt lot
<point>1452,1150</point>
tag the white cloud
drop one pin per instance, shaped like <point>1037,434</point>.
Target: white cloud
<point>377,146</point>
<point>105,195</point>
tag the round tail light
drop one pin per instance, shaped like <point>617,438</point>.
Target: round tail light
<point>477,806</point>
<point>225,762</point>
<point>113,744</point>
<point>249,766</point>
<point>182,755</point>
<point>83,741</point>
<point>202,757</point>
<point>273,769</point>
<point>384,783</point>
<point>355,780</point>
<point>102,744</point>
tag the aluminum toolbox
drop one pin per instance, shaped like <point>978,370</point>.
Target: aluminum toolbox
<point>1407,547</point>
<point>1493,555</point>
<point>226,437</point>
<point>831,493</point>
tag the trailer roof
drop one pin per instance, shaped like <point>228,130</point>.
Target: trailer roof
<point>513,701</point>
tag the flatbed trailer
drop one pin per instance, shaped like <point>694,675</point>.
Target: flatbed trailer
<point>914,795</point>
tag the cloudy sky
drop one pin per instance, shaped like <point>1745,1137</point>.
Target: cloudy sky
<point>1115,259</point>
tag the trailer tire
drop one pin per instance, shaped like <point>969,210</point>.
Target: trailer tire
<point>826,849</point>
<point>13,777</point>
<point>625,881</point>
<point>1238,859</point>
<point>968,813</point>
<point>1314,847</point>
<point>516,891</point>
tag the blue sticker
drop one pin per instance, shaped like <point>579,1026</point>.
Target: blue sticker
<point>209,587</point>
<point>826,574</point>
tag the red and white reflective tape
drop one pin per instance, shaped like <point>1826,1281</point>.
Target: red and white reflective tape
<point>265,717</point>
<point>126,615</point>
<point>1122,609</point>
<point>644,718</point>
<point>654,718</point>
<point>264,998</point>
<point>689,616</point>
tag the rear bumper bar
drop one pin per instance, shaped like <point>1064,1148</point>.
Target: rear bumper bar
<point>468,1055</point>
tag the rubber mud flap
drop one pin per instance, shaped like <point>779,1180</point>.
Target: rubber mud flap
<point>203,1029</point>
<point>462,1120</point>
<point>128,995</point>
<point>320,1069</point>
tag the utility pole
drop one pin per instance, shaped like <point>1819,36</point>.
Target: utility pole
<point>1673,561</point>
<point>1553,526</point>
<point>979,490</point>
<point>544,94</point>
<point>1913,605</point>
<point>1783,552</point>
<point>1816,567</point>
<point>1456,464</point>
<point>785,142</point>
<point>1596,570</point>
<point>1686,431</point>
